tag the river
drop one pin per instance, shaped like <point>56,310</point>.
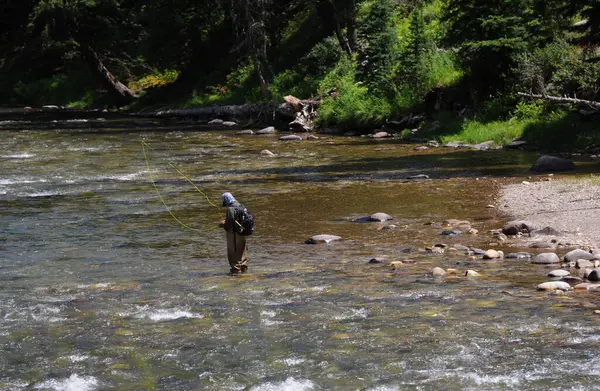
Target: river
<point>102,289</point>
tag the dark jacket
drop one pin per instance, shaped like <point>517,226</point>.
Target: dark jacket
<point>230,216</point>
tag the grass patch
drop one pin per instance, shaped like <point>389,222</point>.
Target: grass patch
<point>475,132</point>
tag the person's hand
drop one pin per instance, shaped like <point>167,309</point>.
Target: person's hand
<point>222,223</point>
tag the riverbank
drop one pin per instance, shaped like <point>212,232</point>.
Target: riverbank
<point>567,205</point>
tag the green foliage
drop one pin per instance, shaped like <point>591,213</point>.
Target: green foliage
<point>354,105</point>
<point>60,89</point>
<point>155,79</point>
<point>501,132</point>
<point>529,110</point>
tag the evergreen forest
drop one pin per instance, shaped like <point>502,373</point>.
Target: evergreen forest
<point>471,70</point>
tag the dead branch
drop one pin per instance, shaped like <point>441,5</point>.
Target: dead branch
<point>563,99</point>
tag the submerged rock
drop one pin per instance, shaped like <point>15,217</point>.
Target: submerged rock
<point>316,239</point>
<point>546,231</point>
<point>521,255</point>
<point>290,137</point>
<point>266,152</point>
<point>552,163</point>
<point>451,232</point>
<point>380,216</point>
<point>546,259</point>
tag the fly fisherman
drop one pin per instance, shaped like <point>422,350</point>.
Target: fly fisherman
<point>238,224</point>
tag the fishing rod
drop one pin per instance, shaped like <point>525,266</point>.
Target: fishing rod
<point>144,145</point>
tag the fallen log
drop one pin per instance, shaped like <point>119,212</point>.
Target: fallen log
<point>560,99</point>
<point>227,111</point>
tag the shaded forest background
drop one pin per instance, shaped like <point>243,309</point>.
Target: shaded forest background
<point>459,64</point>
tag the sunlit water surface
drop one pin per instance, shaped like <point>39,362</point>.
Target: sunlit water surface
<point>101,289</point>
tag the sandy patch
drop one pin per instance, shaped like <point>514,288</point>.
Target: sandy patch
<point>570,206</point>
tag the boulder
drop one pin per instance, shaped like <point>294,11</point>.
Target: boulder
<point>290,137</point>
<point>483,146</point>
<point>515,144</point>
<point>316,239</point>
<point>554,285</point>
<point>229,123</point>
<point>380,217</point>
<point>421,148</point>
<point>267,130</point>
<point>419,176</point>
<point>216,121</point>
<point>546,259</point>
<point>516,226</point>
<point>573,256</point>
<point>471,273</point>
<point>552,163</point>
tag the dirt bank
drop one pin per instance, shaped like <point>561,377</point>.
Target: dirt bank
<point>567,205</point>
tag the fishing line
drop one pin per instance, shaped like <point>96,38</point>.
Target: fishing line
<point>144,145</point>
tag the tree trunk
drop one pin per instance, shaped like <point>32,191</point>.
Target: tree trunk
<point>264,85</point>
<point>351,25</point>
<point>343,40</point>
<point>559,99</point>
<point>117,90</point>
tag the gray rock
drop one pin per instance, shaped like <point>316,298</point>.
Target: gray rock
<point>266,152</point>
<point>578,254</point>
<point>351,133</point>
<point>316,239</point>
<point>451,232</point>
<point>216,121</point>
<point>268,130</point>
<point>421,148</point>
<point>471,273</point>
<point>419,176</point>
<point>380,217</point>
<point>483,146</point>
<point>521,255</point>
<point>491,254</point>
<point>229,123</point>
<point>584,264</point>
<point>594,274</point>
<point>376,260</point>
<point>460,247</point>
<point>552,163</point>
<point>554,285</point>
<point>433,143</point>
<point>290,137</point>
<point>546,231</point>
<point>515,144</point>
<point>572,279</point>
<point>50,107</point>
<point>546,259</point>
<point>477,251</point>
<point>246,132</point>
<point>516,226</point>
<point>558,273</point>
<point>455,144</point>
<point>542,244</point>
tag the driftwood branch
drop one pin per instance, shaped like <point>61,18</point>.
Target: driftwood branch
<point>560,99</point>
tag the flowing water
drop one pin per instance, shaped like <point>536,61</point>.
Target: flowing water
<point>102,289</point>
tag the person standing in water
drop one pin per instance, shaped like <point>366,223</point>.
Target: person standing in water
<point>238,224</point>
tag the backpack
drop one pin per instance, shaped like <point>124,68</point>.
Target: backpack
<point>243,221</point>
